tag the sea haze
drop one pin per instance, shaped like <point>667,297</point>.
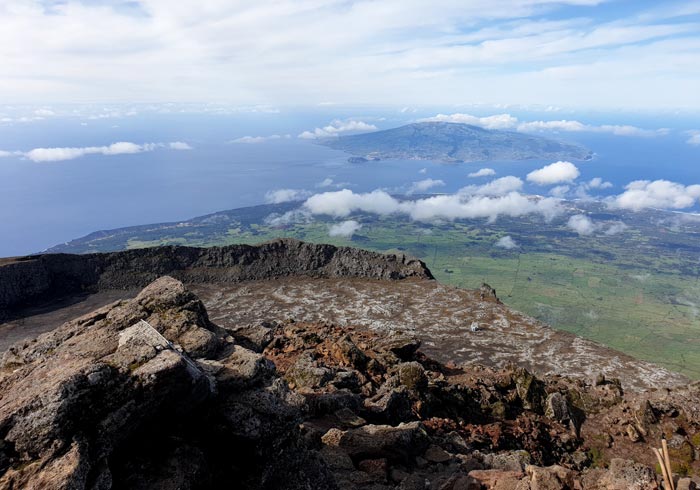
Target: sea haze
<point>46,203</point>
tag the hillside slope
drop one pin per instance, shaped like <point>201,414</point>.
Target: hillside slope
<point>451,142</point>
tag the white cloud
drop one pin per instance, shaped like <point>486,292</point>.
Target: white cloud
<point>179,145</point>
<point>662,194</point>
<point>598,183</point>
<point>483,172</point>
<point>119,148</point>
<point>497,121</point>
<point>424,185</point>
<point>44,113</point>
<point>506,242</point>
<point>581,224</point>
<point>338,127</point>
<point>285,195</point>
<point>453,206</point>
<point>508,121</point>
<point>274,51</point>
<point>423,171</point>
<point>344,229</point>
<point>497,187</point>
<point>616,228</point>
<point>296,216</point>
<point>554,173</point>
<point>4,154</point>
<point>327,182</point>
<point>694,137</point>
<point>260,139</point>
<point>577,126</point>
<point>559,191</point>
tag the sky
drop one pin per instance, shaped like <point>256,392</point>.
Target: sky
<point>602,54</point>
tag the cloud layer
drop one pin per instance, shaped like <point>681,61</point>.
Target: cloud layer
<point>338,127</point>
<point>279,196</point>
<point>260,139</point>
<point>405,52</point>
<point>509,122</point>
<point>120,148</point>
<point>468,203</point>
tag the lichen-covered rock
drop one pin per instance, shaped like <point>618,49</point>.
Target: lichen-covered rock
<point>412,376</point>
<point>398,444</point>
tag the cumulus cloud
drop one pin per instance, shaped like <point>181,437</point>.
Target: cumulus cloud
<point>616,228</point>
<point>554,173</point>
<point>260,139</point>
<point>598,183</point>
<point>662,194</point>
<point>694,137</point>
<point>483,172</point>
<point>179,145</point>
<point>285,195</point>
<point>338,127</point>
<point>424,185</point>
<point>119,148</point>
<point>506,242</point>
<point>453,206</point>
<point>44,113</point>
<point>4,153</point>
<point>497,187</point>
<point>423,171</point>
<point>559,191</point>
<point>344,229</point>
<point>581,224</point>
<point>496,121</point>
<point>328,182</point>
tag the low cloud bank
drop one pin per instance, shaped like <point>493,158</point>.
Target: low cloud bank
<point>344,229</point>
<point>483,172</point>
<point>279,196</point>
<point>554,173</point>
<point>582,224</point>
<point>509,122</point>
<point>694,137</point>
<point>506,242</point>
<point>260,139</point>
<point>424,185</point>
<point>338,127</point>
<point>468,203</point>
<point>120,148</point>
<point>662,194</point>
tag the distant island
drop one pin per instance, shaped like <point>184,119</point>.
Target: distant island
<point>452,142</point>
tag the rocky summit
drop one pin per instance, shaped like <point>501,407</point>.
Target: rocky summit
<point>168,388</point>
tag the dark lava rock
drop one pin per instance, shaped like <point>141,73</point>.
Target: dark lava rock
<point>27,279</point>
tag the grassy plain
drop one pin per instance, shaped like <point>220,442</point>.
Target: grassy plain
<point>637,291</point>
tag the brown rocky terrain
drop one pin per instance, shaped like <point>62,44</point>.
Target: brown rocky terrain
<point>150,393</point>
<point>290,365</point>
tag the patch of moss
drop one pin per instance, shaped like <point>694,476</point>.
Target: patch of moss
<point>695,439</point>
<point>597,458</point>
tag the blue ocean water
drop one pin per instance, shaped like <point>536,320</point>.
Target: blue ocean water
<point>43,204</point>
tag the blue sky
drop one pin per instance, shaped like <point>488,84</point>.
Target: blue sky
<point>595,54</point>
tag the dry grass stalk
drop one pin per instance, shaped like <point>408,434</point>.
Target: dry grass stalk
<point>665,464</point>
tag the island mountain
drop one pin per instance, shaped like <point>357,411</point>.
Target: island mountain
<point>452,142</point>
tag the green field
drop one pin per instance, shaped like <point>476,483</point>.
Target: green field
<point>637,291</point>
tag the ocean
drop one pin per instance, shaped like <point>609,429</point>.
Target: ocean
<point>46,203</point>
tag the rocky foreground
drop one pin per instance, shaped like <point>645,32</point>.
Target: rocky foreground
<point>148,393</point>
